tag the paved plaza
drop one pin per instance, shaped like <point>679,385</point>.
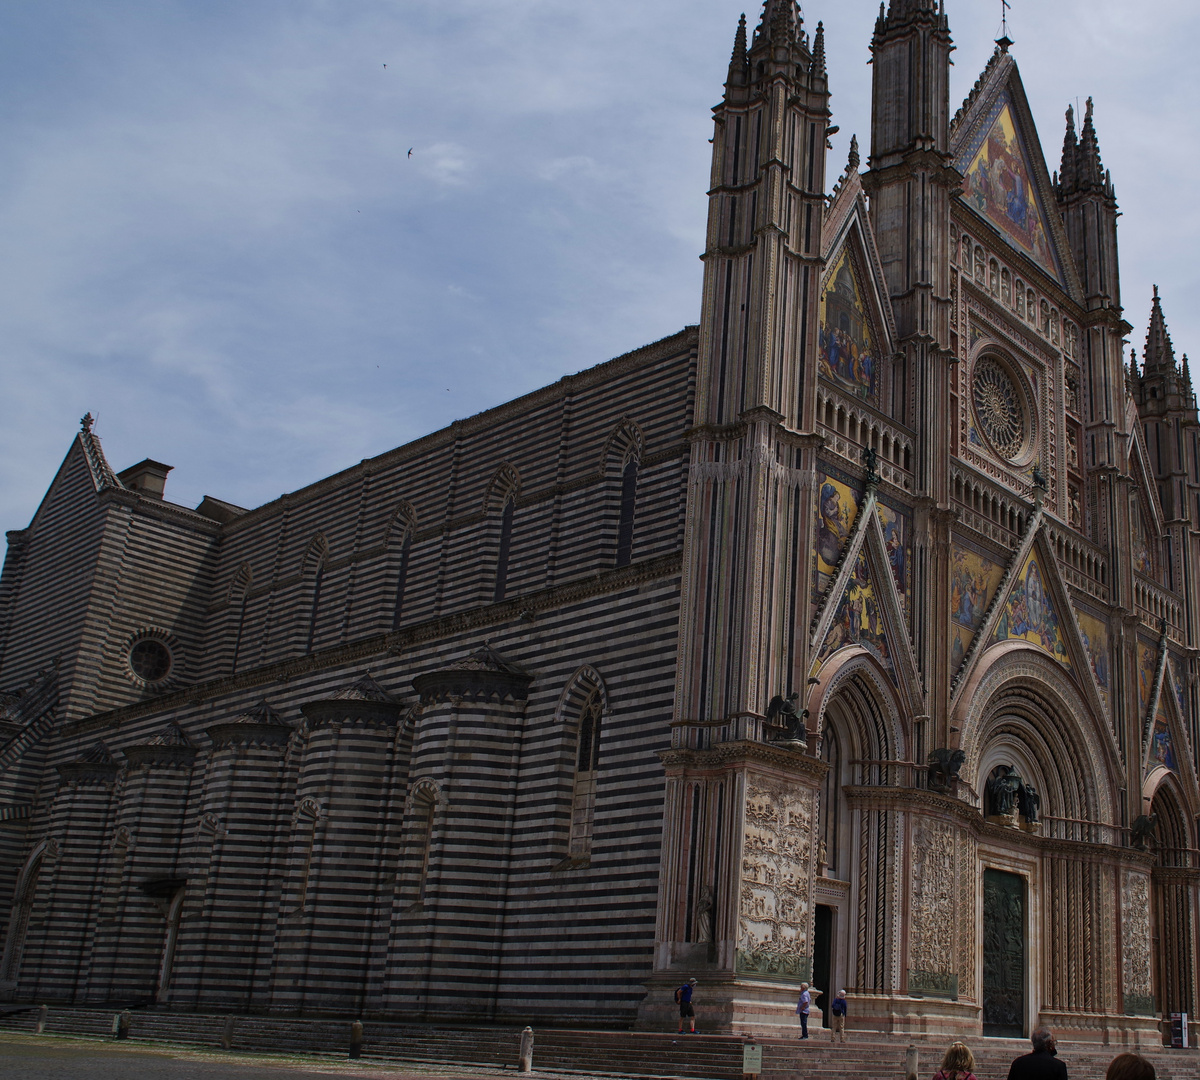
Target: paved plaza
<point>51,1057</point>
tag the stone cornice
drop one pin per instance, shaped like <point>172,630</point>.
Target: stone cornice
<point>372,714</point>
<point>745,753</point>
<point>151,755</point>
<point>240,733</point>
<point>392,643</point>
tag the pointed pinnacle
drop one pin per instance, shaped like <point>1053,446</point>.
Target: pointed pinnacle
<point>818,50</point>
<point>852,161</point>
<point>739,43</point>
<point>1159,351</point>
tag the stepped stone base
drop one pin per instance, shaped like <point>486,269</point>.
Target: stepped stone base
<point>728,1007</point>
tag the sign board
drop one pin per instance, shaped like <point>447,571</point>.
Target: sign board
<point>1179,1029</point>
<point>752,1058</point>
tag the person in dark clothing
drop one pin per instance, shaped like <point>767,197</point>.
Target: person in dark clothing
<point>684,997</point>
<point>1041,1064</point>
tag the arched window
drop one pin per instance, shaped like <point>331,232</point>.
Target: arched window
<point>502,500</point>
<point>502,553</point>
<point>581,710</point>
<point>629,478</point>
<point>587,763</point>
<point>18,923</point>
<point>314,577</point>
<point>422,815</point>
<point>238,594</point>
<point>400,549</point>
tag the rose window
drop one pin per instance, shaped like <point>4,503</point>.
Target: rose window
<point>999,409</point>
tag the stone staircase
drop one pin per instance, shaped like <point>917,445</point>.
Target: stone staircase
<point>597,1053</point>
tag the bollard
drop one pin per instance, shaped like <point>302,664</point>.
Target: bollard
<point>41,1021</point>
<point>227,1033</point>
<point>116,1025</point>
<point>356,1039</point>
<point>910,1064</point>
<point>124,1023</point>
<point>526,1050</point>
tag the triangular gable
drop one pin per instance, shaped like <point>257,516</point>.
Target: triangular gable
<point>996,148</point>
<point>1165,743</point>
<point>865,603</point>
<point>83,472</point>
<point>1032,604</point>
<point>974,578</point>
<point>854,318</point>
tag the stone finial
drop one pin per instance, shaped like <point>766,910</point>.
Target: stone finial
<point>1159,353</point>
<point>852,159</point>
<point>738,61</point>
<point>818,60</point>
<point>85,424</point>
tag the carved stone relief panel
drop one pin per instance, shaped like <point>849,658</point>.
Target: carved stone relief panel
<point>775,912</point>
<point>934,885</point>
<point>1135,916</point>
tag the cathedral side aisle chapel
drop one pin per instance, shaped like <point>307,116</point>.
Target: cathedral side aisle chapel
<point>848,638</point>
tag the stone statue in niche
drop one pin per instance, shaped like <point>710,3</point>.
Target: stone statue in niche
<point>1143,830</point>
<point>1001,791</point>
<point>943,767</point>
<point>704,915</point>
<point>783,715</point>
<point>1029,803</point>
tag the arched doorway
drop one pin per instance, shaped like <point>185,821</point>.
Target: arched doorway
<point>1172,886</point>
<point>862,742</point>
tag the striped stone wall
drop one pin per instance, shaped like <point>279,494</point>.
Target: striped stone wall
<point>263,838</point>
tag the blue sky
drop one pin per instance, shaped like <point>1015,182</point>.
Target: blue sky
<point>214,238</point>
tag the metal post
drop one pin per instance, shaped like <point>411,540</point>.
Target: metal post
<point>356,1036</point>
<point>527,1050</point>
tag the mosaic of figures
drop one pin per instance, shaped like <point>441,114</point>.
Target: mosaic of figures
<point>895,542</point>
<point>999,186</point>
<point>1029,613</point>
<point>775,894</point>
<point>836,511</point>
<point>1138,542</point>
<point>859,619</point>
<point>849,350</point>
<point>973,582</point>
<point>1095,644</point>
<point>1162,748</point>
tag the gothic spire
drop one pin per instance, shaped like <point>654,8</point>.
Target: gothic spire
<point>852,162</point>
<point>739,62</point>
<point>1159,352</point>
<point>818,51</point>
<point>778,23</point>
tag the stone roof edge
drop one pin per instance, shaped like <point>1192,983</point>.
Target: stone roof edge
<point>672,345</point>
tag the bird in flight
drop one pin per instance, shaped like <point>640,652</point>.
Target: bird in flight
<point>410,150</point>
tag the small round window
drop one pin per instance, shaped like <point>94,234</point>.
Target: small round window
<point>150,660</point>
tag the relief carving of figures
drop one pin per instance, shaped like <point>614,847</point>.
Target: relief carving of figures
<point>775,902</point>
<point>934,901</point>
<point>1135,914</point>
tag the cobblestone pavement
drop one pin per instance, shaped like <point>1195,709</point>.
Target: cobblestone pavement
<point>55,1057</point>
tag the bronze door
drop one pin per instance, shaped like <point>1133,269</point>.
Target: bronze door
<point>1003,954</point>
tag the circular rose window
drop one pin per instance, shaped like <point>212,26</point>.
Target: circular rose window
<point>999,409</point>
<point>150,660</point>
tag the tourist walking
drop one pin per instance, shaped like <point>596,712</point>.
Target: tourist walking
<point>838,1017</point>
<point>1041,1064</point>
<point>958,1063</point>
<point>683,996</point>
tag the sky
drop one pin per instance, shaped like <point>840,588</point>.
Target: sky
<point>215,240</point>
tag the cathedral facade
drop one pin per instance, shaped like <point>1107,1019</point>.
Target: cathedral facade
<point>849,636</point>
